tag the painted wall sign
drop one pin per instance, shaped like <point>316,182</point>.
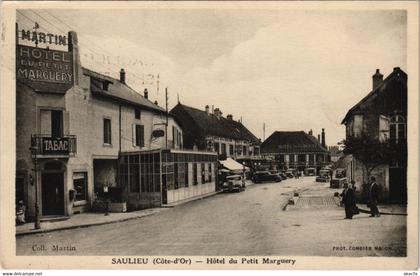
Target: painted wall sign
<point>44,65</point>
<point>41,37</point>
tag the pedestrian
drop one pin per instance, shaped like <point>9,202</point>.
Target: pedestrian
<point>348,200</point>
<point>373,197</point>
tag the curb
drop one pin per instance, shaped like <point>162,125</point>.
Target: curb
<point>40,231</point>
<point>191,200</point>
<point>382,213</point>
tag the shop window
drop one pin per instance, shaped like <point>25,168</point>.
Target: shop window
<point>137,113</point>
<point>80,186</point>
<point>210,172</point>
<point>203,174</point>
<point>107,131</point>
<point>195,177</point>
<point>186,175</point>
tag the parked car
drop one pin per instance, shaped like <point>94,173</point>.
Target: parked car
<point>261,176</point>
<point>340,173</point>
<point>337,183</point>
<point>310,172</point>
<point>324,176</point>
<point>233,183</point>
<point>283,176</point>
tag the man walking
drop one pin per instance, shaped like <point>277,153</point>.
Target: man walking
<point>348,200</point>
<point>373,197</point>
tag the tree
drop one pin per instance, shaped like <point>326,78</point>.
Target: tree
<point>373,153</point>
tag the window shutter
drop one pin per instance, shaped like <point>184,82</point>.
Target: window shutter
<point>141,135</point>
<point>383,128</point>
<point>45,121</point>
<point>66,119</point>
<point>134,134</point>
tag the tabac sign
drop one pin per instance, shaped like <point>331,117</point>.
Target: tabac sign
<point>44,65</point>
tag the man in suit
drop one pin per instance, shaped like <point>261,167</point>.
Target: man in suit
<point>348,200</point>
<point>373,197</point>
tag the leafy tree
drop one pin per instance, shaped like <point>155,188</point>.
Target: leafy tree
<point>373,153</point>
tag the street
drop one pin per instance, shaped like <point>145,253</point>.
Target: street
<point>252,222</point>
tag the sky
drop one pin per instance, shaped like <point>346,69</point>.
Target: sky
<point>290,69</point>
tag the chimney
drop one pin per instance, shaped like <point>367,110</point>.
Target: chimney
<point>319,138</point>
<point>229,117</point>
<point>377,79</point>
<point>323,138</point>
<point>218,113</point>
<point>207,109</point>
<point>146,93</point>
<point>310,132</point>
<point>122,75</point>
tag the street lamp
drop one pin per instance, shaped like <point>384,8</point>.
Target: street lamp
<point>34,150</point>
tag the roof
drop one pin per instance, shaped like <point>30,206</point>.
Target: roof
<point>119,91</point>
<point>397,74</point>
<point>201,123</point>
<point>291,141</point>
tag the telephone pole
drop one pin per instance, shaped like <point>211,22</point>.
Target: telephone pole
<point>166,124</point>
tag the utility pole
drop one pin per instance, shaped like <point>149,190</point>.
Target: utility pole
<point>263,132</point>
<point>166,124</point>
<point>34,149</point>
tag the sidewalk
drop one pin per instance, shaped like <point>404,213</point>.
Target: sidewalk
<point>391,209</point>
<point>84,220</point>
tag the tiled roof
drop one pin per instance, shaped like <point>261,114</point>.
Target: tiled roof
<point>119,91</point>
<point>201,123</point>
<point>397,73</point>
<point>291,141</point>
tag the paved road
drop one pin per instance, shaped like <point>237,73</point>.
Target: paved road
<point>247,223</point>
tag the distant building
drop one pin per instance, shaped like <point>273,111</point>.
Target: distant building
<point>205,130</point>
<point>335,153</point>
<point>382,115</point>
<point>296,149</point>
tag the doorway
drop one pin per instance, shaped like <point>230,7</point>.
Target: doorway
<point>398,185</point>
<point>53,194</point>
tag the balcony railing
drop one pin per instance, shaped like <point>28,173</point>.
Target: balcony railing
<point>45,145</point>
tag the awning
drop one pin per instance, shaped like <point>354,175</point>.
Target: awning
<point>232,165</point>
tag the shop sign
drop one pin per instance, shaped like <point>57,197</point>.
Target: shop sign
<point>44,65</point>
<point>41,37</point>
<point>53,145</point>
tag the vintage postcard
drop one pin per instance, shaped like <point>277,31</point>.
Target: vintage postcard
<point>209,135</point>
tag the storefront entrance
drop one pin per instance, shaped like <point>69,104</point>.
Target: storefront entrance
<point>52,194</point>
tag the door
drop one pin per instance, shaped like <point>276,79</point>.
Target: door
<point>398,185</point>
<point>52,194</point>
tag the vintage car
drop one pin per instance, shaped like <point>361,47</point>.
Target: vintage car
<point>337,183</point>
<point>310,172</point>
<point>340,173</point>
<point>283,176</point>
<point>324,176</point>
<point>233,183</point>
<point>261,176</point>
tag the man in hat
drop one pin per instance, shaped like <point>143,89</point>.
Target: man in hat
<point>348,200</point>
<point>373,197</point>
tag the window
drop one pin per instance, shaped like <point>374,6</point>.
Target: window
<point>80,186</point>
<point>230,149</point>
<point>107,131</point>
<point>223,148</point>
<point>186,175</point>
<point>357,125</point>
<point>176,182</point>
<point>195,180</point>
<point>139,135</point>
<point>216,147</point>
<point>383,128</point>
<point>52,123</point>
<point>244,150</point>
<point>210,172</point>
<point>397,129</point>
<point>137,114</point>
<point>203,174</point>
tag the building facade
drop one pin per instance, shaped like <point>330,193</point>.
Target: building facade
<point>205,130</point>
<point>296,149</point>
<point>71,126</point>
<point>382,116</point>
